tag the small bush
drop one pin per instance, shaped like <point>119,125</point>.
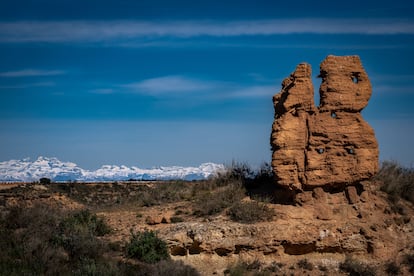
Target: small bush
<point>170,267</point>
<point>323,268</point>
<point>178,212</point>
<point>46,241</point>
<point>274,267</point>
<point>147,247</point>
<point>94,267</point>
<point>238,269</point>
<point>243,173</point>
<point>250,268</point>
<point>234,172</point>
<point>162,268</point>
<point>40,240</point>
<point>392,268</point>
<point>397,181</point>
<point>24,242</point>
<point>250,212</point>
<point>84,220</point>
<point>45,181</point>
<point>165,192</point>
<point>356,268</point>
<point>409,260</point>
<point>77,234</point>
<point>176,219</point>
<point>214,202</point>
<point>305,264</point>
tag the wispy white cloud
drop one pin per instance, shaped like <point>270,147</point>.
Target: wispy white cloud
<point>99,31</point>
<point>28,85</point>
<point>254,92</point>
<point>103,91</point>
<point>191,87</point>
<point>171,85</point>
<point>31,73</point>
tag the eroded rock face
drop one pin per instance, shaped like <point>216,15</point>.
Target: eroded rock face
<point>330,145</point>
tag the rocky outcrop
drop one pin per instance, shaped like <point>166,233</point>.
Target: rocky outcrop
<point>330,145</point>
<point>322,228</point>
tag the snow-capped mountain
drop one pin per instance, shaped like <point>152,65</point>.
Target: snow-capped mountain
<point>27,171</point>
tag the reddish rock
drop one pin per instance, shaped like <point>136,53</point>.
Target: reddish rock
<point>330,145</point>
<point>319,195</point>
<point>352,195</point>
<point>323,212</point>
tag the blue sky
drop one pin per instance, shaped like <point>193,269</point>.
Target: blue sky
<point>149,83</point>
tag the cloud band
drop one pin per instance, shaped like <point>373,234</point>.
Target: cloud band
<point>98,31</point>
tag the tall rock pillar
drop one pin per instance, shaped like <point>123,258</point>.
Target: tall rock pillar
<point>326,146</point>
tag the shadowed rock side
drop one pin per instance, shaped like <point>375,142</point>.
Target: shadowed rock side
<point>330,145</point>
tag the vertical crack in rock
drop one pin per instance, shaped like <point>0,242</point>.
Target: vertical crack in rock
<point>330,145</point>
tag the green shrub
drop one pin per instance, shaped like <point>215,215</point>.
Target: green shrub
<point>46,241</point>
<point>77,235</point>
<point>213,202</point>
<point>356,268</point>
<point>38,241</point>
<point>147,247</point>
<point>93,267</point>
<point>24,241</point>
<point>250,212</point>
<point>85,221</point>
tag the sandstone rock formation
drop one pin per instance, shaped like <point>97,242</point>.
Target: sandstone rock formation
<point>330,145</point>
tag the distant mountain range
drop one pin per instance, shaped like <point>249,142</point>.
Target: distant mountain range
<point>28,171</point>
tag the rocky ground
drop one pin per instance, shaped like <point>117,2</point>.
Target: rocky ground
<point>312,236</point>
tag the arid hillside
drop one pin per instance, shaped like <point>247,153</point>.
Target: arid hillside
<point>227,225</point>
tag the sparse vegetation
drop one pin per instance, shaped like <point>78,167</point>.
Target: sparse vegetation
<point>356,268</point>
<point>250,212</point>
<point>170,267</point>
<point>40,240</point>
<point>227,190</point>
<point>176,219</point>
<point>85,221</point>
<point>147,247</point>
<point>248,177</point>
<point>255,268</point>
<point>43,240</point>
<point>392,268</point>
<point>305,264</point>
<point>243,268</point>
<point>409,261</point>
<point>45,181</point>
<point>213,202</point>
<point>165,193</point>
<point>397,181</point>
<point>37,241</point>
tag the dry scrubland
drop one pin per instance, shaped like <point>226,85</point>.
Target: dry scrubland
<point>234,224</point>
